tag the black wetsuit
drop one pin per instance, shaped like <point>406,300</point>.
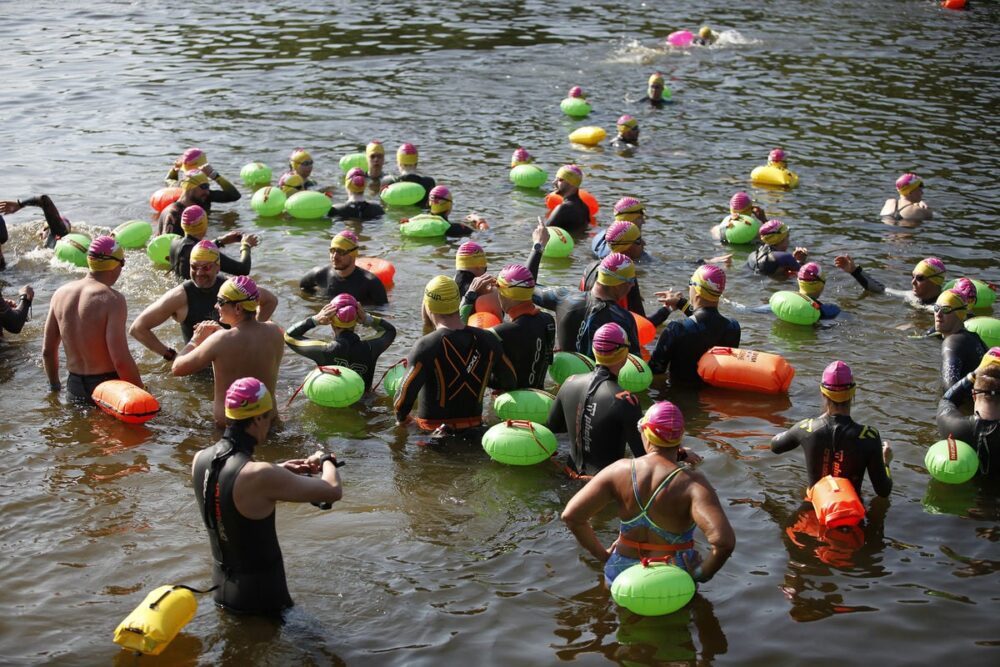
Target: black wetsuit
<point>837,445</point>
<point>580,314</point>
<point>656,104</point>
<point>600,417</point>
<point>983,435</point>
<point>425,181</point>
<point>767,261</point>
<point>247,565</point>
<point>571,214</point>
<point>682,343</point>
<point>201,305</point>
<point>453,369</point>
<point>180,258</point>
<point>357,210</point>
<point>528,339</point>
<point>13,319</point>
<point>170,217</point>
<point>53,221</point>
<point>363,285</point>
<point>634,296</point>
<point>4,237</point>
<point>961,353</point>
<point>347,349</point>
<point>464,279</point>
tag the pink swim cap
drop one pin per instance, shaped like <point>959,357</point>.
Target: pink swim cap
<point>439,193</point>
<point>246,285</point>
<point>811,272</point>
<point>709,282</point>
<point>628,205</point>
<point>345,314</point>
<point>627,121</point>
<point>355,180</point>
<point>470,248</point>
<point>407,149</point>
<point>838,382</point>
<point>616,269</point>
<point>907,183</point>
<point>967,289</point>
<point>664,421</point>
<point>609,338</point>
<point>194,156</point>
<point>576,91</point>
<point>104,254</point>
<point>517,275</point>
<point>740,202</point>
<point>247,397</point>
<point>777,155</point>
<point>520,156</point>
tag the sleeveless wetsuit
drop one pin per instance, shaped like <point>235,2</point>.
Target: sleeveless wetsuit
<point>634,297</point>
<point>180,259</point>
<point>837,445</point>
<point>571,214</point>
<point>767,262</point>
<point>580,314</point>
<point>600,418</point>
<point>357,210</point>
<point>453,368</point>
<point>361,284</point>
<point>682,343</point>
<point>201,305</point>
<point>678,545</point>
<point>348,349</point>
<point>961,352</point>
<point>247,565</point>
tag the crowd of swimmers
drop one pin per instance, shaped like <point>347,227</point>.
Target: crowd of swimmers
<point>660,496</point>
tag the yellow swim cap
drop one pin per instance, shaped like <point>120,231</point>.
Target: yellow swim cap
<point>616,269</point>
<point>374,147</point>
<point>241,290</point>
<point>622,234</point>
<point>194,220</point>
<point>708,281</point>
<point>193,179</point>
<point>951,301</point>
<point>246,398</point>
<point>290,183</point>
<point>931,268</point>
<point>705,32</point>
<point>298,156</point>
<point>205,251</point>
<point>406,155</point>
<point>516,282</point>
<point>470,255</point>
<point>441,295</point>
<point>571,174</point>
<point>655,79</point>
<point>105,254</point>
<point>345,240</point>
<point>991,358</point>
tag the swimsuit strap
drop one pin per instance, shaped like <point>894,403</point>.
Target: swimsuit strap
<point>656,492</point>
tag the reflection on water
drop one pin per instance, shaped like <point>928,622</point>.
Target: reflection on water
<point>438,554</point>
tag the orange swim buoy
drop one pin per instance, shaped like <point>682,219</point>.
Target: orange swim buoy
<point>953,4</point>
<point>125,401</point>
<point>489,303</point>
<point>836,502</point>
<point>647,331</point>
<point>552,200</point>
<point>483,320</point>
<point>382,268</point>
<point>735,368</point>
<point>164,197</point>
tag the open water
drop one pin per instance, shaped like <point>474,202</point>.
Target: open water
<point>439,556</point>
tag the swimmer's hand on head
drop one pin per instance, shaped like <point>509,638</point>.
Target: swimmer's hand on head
<point>483,284</point>
<point>540,234</point>
<point>324,314</point>
<point>210,171</point>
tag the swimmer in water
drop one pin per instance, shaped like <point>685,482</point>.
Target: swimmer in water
<point>626,209</point>
<point>926,280</point>
<point>236,498</point>
<point>657,94</point>
<point>771,257</point>
<point>706,37</point>
<point>450,368</point>
<point>962,350</point>
<point>683,342</point>
<point>981,430</point>
<point>661,499</point>
<point>192,159</point>
<point>571,214</point>
<point>473,280</point>
<point>290,183</point>
<point>375,154</point>
<point>347,349</point>
<point>834,444</point>
<point>520,156</point>
<point>248,348</point>
<point>628,135</point>
<point>910,205</point>
<point>300,162</point>
<point>87,317</point>
<point>356,207</point>
<point>343,276</point>
<point>192,302</point>
<point>406,162</point>
<point>440,202</point>
<point>56,226</point>
<point>194,223</point>
<point>13,315</point>
<point>197,189</point>
<point>740,204</point>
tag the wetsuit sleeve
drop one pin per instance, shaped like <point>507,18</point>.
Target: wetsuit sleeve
<point>458,229</point>
<point>13,319</point>
<point>4,237</point>
<point>57,228</point>
<point>951,421</point>
<point>535,260</point>
<point>548,298</point>
<point>867,282</point>
<point>828,311</point>
<point>234,267</point>
<point>959,391</point>
<point>762,309</point>
<point>504,375</point>
<point>732,335</point>
<point>660,316</point>
<point>951,362</point>
<point>316,350</point>
<point>412,382</point>
<point>468,306</point>
<point>562,216</point>
<point>557,418</point>
<point>787,440</point>
<point>308,282</point>
<point>877,471</point>
<point>785,261</point>
<point>228,192</point>
<point>385,334</point>
<point>661,353</point>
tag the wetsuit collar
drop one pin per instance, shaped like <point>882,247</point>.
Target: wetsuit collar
<point>525,308</point>
<point>240,440</point>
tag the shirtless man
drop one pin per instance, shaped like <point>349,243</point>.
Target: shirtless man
<point>191,302</point>
<point>88,317</point>
<point>248,348</point>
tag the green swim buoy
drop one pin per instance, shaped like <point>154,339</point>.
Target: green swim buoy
<point>524,404</point>
<point>635,375</point>
<point>742,230</point>
<point>308,205</point>
<point>354,161</point>
<point>951,461</point>
<point>794,307</point>
<point>268,202</point>
<point>560,243</point>
<point>519,443</point>
<point>656,589</point>
<point>333,386</point>
<point>158,250</point>
<point>425,225</point>
<point>575,107</point>
<point>133,234</point>
<point>565,364</point>
<point>255,174</point>
<point>72,249</point>
<point>528,176</point>
<point>403,193</point>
